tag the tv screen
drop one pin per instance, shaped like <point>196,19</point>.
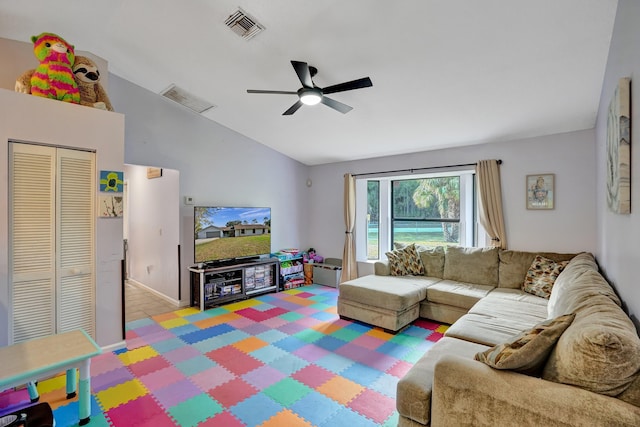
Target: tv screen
<point>227,233</point>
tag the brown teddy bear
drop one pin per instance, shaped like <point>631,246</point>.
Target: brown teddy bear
<point>87,77</point>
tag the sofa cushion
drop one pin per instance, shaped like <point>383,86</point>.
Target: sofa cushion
<point>432,260</point>
<point>574,287</point>
<point>527,352</point>
<point>496,319</point>
<point>541,276</point>
<point>413,397</point>
<point>405,262</point>
<point>471,265</point>
<point>388,292</point>
<point>599,352</point>
<point>458,294</point>
<point>515,264</point>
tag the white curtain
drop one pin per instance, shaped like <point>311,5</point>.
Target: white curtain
<point>490,201</point>
<point>349,265</point>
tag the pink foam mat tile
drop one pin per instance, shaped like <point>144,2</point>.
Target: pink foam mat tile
<point>368,342</point>
<point>373,405</point>
<point>232,392</point>
<point>105,362</point>
<point>274,322</point>
<point>211,378</point>
<point>223,419</point>
<point>313,376</point>
<point>143,411</point>
<point>148,366</point>
<point>162,378</point>
<point>400,369</point>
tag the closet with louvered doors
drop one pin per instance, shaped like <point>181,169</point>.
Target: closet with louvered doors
<point>51,241</point>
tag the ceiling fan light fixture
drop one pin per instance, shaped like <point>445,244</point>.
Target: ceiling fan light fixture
<point>310,96</point>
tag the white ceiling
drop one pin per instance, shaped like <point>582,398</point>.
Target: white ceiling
<point>445,73</point>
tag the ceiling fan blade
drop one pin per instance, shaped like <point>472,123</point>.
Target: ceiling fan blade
<point>339,106</point>
<point>280,92</point>
<point>302,70</point>
<point>293,108</point>
<point>354,84</point>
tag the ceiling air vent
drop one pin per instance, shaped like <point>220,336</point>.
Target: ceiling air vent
<point>183,97</point>
<point>243,25</point>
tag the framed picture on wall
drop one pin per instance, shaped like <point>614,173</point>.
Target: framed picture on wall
<point>540,191</point>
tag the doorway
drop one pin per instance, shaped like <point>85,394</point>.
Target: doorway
<point>151,229</point>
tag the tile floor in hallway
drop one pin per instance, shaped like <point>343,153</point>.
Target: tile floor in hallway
<point>141,303</point>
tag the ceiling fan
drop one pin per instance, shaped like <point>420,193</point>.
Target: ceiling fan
<point>310,94</point>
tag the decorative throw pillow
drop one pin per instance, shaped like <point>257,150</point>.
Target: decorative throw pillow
<point>541,276</point>
<point>405,262</point>
<point>527,352</point>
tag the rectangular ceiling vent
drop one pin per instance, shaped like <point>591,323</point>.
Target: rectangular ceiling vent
<point>243,24</point>
<point>187,99</point>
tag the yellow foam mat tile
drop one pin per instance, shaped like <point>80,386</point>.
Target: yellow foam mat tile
<point>50,384</point>
<point>243,304</point>
<point>187,311</point>
<point>174,323</point>
<point>340,389</point>
<point>442,329</point>
<point>137,355</point>
<point>286,418</point>
<point>121,393</point>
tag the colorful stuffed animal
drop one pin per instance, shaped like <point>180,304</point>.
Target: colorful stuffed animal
<point>53,78</point>
<point>87,77</point>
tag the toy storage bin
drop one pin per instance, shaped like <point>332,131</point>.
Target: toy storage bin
<point>328,273</point>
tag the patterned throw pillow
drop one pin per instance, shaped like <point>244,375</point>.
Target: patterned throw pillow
<point>541,276</point>
<point>528,352</point>
<point>405,262</point>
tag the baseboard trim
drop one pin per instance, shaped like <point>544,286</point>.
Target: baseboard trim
<point>115,346</point>
<point>158,294</point>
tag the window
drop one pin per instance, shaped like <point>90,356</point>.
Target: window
<point>429,210</point>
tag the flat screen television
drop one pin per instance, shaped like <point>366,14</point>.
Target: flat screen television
<point>230,233</point>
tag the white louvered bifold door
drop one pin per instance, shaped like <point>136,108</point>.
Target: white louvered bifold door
<point>32,240</point>
<point>52,214</point>
<point>75,189</point>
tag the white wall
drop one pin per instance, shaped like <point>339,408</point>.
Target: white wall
<point>35,119</point>
<point>217,166</point>
<point>153,215</point>
<point>570,227</point>
<point>619,235</point>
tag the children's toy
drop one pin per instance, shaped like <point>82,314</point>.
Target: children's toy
<point>87,77</point>
<point>53,78</point>
<point>313,257</point>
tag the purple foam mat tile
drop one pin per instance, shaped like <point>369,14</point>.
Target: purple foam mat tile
<point>263,377</point>
<point>291,328</point>
<point>311,352</point>
<point>376,360</point>
<point>255,329</point>
<point>149,329</point>
<point>111,378</point>
<point>176,393</point>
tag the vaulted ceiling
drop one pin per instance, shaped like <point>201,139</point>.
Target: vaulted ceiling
<point>444,73</point>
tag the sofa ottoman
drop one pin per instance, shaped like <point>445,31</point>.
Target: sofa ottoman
<point>389,302</point>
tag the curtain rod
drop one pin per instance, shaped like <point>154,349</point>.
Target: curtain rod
<point>420,169</point>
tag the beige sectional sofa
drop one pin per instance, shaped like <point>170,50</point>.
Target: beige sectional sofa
<point>589,378</point>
